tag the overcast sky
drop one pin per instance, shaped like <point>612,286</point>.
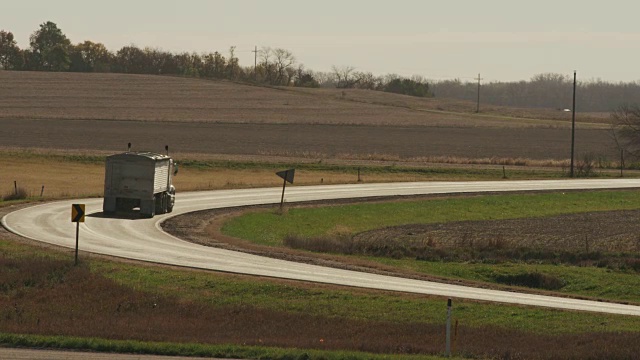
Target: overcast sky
<point>503,40</point>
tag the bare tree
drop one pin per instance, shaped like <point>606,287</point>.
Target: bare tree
<point>366,80</point>
<point>325,79</point>
<point>233,68</point>
<point>345,76</point>
<point>265,68</point>
<point>626,128</point>
<point>283,61</point>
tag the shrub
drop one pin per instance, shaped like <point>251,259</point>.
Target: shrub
<point>337,243</point>
<point>532,280</point>
<point>19,194</point>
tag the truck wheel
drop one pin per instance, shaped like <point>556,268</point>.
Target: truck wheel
<point>160,203</point>
<point>148,208</point>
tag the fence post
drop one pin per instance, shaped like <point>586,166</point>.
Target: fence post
<point>621,162</point>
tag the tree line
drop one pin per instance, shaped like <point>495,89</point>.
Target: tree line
<point>51,50</point>
<point>548,90</point>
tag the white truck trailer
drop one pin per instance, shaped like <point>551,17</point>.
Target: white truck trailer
<point>139,180</point>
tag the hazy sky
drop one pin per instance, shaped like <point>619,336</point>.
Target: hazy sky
<point>502,40</point>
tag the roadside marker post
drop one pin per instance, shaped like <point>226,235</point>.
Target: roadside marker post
<point>77,216</point>
<point>287,176</point>
<point>448,350</point>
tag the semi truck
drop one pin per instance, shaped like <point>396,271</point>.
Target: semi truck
<point>139,180</point>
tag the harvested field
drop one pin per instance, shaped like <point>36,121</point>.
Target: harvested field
<point>326,141</point>
<point>40,95</point>
<point>453,105</point>
<point>105,111</point>
<point>609,231</point>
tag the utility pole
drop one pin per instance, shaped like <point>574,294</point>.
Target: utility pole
<point>255,64</point>
<point>573,121</point>
<point>478,106</point>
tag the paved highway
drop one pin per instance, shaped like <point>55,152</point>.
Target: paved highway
<point>143,239</point>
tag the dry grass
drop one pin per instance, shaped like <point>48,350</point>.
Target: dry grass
<point>59,178</point>
<point>73,173</point>
<point>71,179</point>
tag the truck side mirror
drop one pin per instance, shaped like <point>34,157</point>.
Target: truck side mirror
<point>175,169</point>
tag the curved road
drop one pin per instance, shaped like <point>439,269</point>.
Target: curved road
<point>143,239</point>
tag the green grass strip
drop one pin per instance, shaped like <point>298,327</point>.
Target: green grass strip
<point>270,227</point>
<point>185,349</point>
<point>222,290</point>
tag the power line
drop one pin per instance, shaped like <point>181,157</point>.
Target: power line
<point>573,120</point>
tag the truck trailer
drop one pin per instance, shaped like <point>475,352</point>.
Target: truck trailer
<point>139,180</point>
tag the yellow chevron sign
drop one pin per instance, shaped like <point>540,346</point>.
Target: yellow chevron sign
<point>77,213</point>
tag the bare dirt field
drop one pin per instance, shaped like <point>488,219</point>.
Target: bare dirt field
<point>106,111</point>
<point>322,141</point>
<point>41,95</point>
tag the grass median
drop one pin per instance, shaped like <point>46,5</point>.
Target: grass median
<point>577,267</point>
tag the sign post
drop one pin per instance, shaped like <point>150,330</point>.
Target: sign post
<point>287,176</point>
<point>448,331</point>
<point>77,216</point>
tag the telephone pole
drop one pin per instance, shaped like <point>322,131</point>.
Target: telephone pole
<point>573,121</point>
<point>478,105</point>
<point>255,64</point>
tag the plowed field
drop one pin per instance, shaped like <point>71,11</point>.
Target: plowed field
<point>106,111</point>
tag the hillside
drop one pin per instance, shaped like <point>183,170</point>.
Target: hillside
<point>103,112</point>
<point>88,96</point>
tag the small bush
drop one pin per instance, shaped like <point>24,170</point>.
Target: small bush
<point>585,167</point>
<point>534,280</point>
<point>337,244</point>
<point>20,194</point>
